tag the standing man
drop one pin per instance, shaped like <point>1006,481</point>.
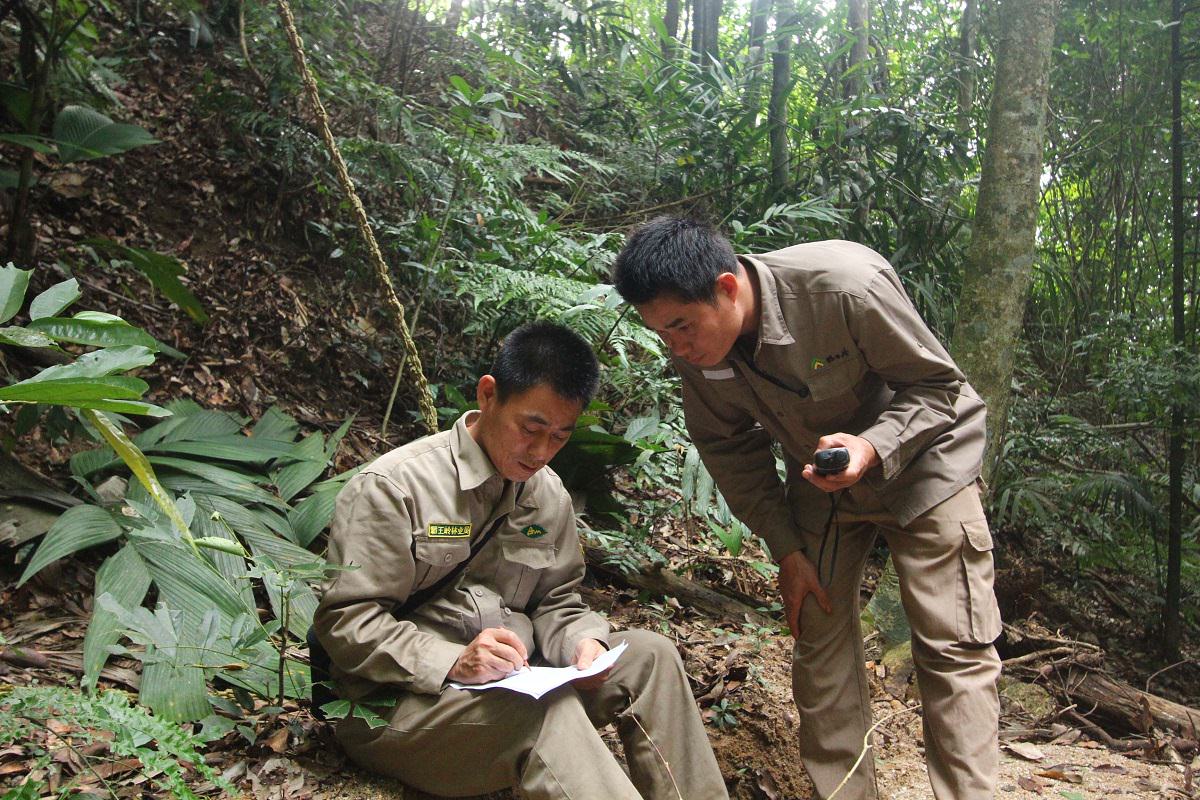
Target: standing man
<point>408,520</point>
<point>815,347</point>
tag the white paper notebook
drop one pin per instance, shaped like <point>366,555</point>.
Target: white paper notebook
<point>536,681</point>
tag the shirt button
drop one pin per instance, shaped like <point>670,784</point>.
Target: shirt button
<point>479,592</point>
<point>506,612</point>
<point>448,557</point>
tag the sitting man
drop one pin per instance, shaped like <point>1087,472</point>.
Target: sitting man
<point>408,519</point>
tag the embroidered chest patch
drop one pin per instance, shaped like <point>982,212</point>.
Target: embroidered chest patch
<point>449,530</point>
<point>533,531</point>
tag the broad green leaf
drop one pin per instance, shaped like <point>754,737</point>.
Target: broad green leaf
<point>78,528</point>
<point>89,462</point>
<point>313,514</point>
<point>38,144</point>
<point>222,477</point>
<point>226,447</point>
<point>18,101</point>
<point>116,333</point>
<point>123,407</point>
<point>232,567</point>
<point>21,337</point>
<point>68,391</point>
<point>137,463</point>
<point>302,604</point>
<point>162,270</point>
<point>335,439</point>
<point>83,133</point>
<point>222,544</point>
<point>52,301</point>
<point>125,578</point>
<point>250,527</point>
<point>13,283</point>
<point>277,425</point>
<point>180,482</point>
<point>98,363</point>
<point>203,425</point>
<point>173,684</point>
<point>187,581</point>
<point>310,465</point>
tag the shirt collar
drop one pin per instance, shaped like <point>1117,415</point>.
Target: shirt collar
<point>772,328</point>
<point>474,466</point>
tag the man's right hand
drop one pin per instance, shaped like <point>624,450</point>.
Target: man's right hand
<point>491,655</point>
<point>797,579</point>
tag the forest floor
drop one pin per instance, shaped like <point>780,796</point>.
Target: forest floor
<point>287,327</point>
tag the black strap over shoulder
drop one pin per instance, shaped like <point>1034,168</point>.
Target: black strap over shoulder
<point>318,658</point>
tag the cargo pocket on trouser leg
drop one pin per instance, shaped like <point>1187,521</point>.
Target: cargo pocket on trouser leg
<point>978,613</point>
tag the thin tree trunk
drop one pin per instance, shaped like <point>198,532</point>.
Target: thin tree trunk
<point>35,72</point>
<point>999,260</point>
<point>706,23</point>
<point>781,84</point>
<point>671,20</point>
<point>855,81</point>
<point>760,11</point>
<point>968,30</point>
<point>454,18</point>
<point>1175,458</point>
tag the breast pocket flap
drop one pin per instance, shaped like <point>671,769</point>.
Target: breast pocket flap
<point>534,556</point>
<point>441,553</point>
<point>834,380</point>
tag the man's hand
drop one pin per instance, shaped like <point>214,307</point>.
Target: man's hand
<point>798,579</point>
<point>585,653</point>
<point>491,655</point>
<point>862,458</point>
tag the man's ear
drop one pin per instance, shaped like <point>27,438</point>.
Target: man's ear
<point>485,392</point>
<point>727,284</point>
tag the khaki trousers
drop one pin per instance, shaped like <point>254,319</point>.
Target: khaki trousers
<point>462,743</point>
<point>944,563</point>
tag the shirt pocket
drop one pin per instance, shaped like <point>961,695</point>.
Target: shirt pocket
<point>436,557</point>
<point>833,401</point>
<point>520,568</point>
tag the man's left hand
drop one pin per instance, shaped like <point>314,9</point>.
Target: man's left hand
<point>862,458</point>
<point>585,653</point>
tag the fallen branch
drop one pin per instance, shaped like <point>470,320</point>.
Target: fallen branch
<point>654,578</point>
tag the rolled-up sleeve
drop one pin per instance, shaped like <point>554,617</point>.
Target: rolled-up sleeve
<point>737,452</point>
<point>372,538</point>
<point>560,617</point>
<point>900,348</point>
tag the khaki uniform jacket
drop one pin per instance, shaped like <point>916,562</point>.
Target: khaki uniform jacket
<point>840,349</point>
<point>404,522</point>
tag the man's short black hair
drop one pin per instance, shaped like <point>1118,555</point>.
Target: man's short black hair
<point>676,256</point>
<point>549,353</point>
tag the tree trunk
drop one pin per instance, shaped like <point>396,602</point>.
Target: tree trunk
<point>689,593</point>
<point>760,10</point>
<point>1122,708</point>
<point>854,82</point>
<point>454,18</point>
<point>781,84</point>
<point>671,19</point>
<point>706,23</point>
<point>1175,456</point>
<point>965,72</point>
<point>999,260</point>
<point>35,74</point>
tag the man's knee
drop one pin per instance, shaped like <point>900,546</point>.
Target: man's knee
<point>648,647</point>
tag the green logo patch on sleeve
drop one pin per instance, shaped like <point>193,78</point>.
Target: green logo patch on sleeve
<point>534,531</point>
<point>449,530</point>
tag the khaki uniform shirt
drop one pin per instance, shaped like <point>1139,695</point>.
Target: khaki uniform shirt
<point>840,349</point>
<point>404,522</point>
